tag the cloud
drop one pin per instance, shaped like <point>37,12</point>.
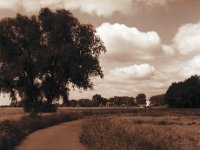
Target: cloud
<point>187,38</point>
<point>178,70</point>
<point>108,7</point>
<point>8,4</point>
<point>135,72</point>
<point>103,8</point>
<point>5,4</point>
<point>152,2</point>
<point>168,50</point>
<point>125,43</point>
<point>191,67</point>
<point>99,8</point>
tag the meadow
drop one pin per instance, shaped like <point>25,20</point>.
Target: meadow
<point>11,113</point>
<point>123,128</point>
<point>157,129</point>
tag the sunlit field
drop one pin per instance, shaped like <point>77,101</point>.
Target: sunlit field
<point>176,129</point>
<point>132,128</point>
<point>15,113</point>
<point>11,113</point>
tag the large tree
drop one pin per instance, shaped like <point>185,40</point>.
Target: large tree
<point>41,56</point>
<point>184,94</point>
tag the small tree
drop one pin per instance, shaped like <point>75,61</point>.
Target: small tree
<point>141,98</point>
<point>40,56</point>
<point>98,99</point>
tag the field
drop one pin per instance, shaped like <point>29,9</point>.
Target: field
<point>11,113</point>
<point>127,128</point>
<point>160,129</point>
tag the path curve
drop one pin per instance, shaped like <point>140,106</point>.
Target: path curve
<point>64,136</point>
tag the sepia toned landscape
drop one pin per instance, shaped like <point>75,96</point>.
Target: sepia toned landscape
<point>99,75</point>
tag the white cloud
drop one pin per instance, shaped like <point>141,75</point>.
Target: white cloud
<point>152,2</point>
<point>191,67</point>
<point>135,72</point>
<point>187,39</point>
<point>7,4</point>
<point>100,7</point>
<point>94,7</point>
<point>180,70</point>
<point>125,43</point>
<point>168,50</point>
<point>108,7</point>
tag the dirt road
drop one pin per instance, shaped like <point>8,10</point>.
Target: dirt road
<point>64,136</point>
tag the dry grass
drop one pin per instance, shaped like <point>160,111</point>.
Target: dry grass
<point>12,132</point>
<point>142,133</point>
<point>11,113</point>
<point>16,113</point>
<point>140,129</point>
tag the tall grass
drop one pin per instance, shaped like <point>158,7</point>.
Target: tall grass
<point>111,134</point>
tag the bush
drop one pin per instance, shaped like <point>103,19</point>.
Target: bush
<point>10,133</point>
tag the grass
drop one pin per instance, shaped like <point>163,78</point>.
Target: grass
<point>131,128</point>
<point>12,131</point>
<point>142,132</point>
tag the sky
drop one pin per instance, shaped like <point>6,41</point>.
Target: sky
<point>150,43</point>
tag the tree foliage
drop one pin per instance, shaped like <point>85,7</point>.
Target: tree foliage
<point>99,100</point>
<point>141,98</point>
<point>157,100</point>
<point>40,56</point>
<point>122,100</point>
<point>85,103</point>
<point>184,94</point>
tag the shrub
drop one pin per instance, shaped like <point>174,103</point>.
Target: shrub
<point>10,133</point>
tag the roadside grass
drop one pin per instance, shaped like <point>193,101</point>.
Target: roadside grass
<point>12,131</point>
<point>168,120</point>
<point>109,133</point>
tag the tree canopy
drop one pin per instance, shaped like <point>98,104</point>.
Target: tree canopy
<point>141,98</point>
<point>41,56</point>
<point>98,100</point>
<point>184,94</point>
<point>122,100</point>
<point>157,100</point>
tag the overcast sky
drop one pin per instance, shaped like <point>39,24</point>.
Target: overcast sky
<point>150,43</point>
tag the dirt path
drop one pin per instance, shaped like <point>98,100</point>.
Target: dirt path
<point>61,137</point>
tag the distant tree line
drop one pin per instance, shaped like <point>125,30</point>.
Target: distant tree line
<point>100,101</point>
<point>184,94</point>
